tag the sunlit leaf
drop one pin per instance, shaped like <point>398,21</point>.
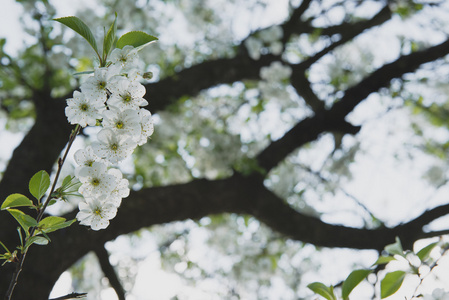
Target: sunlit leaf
<point>383,260</point>
<point>110,38</point>
<point>38,240</point>
<point>39,184</point>
<point>352,281</point>
<point>424,253</point>
<point>23,219</point>
<point>323,290</point>
<point>53,223</point>
<point>16,200</point>
<point>395,248</point>
<point>78,26</point>
<point>391,283</point>
<point>137,39</point>
<point>67,180</point>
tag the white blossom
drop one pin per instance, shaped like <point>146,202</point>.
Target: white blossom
<point>253,45</point>
<point>83,111</point>
<point>96,213</point>
<point>86,157</point>
<point>127,94</point>
<point>134,75</point>
<point>275,72</point>
<point>96,181</point>
<point>121,190</point>
<point>126,57</point>
<point>276,48</point>
<point>115,99</point>
<point>97,86</point>
<point>272,34</point>
<point>123,122</point>
<point>113,147</point>
<point>147,126</point>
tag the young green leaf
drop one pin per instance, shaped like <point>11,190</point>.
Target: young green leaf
<point>38,240</point>
<point>395,248</point>
<point>78,26</point>
<point>53,223</point>
<point>52,201</point>
<point>39,184</point>
<point>322,290</point>
<point>383,260</point>
<point>424,253</point>
<point>391,283</point>
<point>16,200</point>
<point>137,39</point>
<point>23,219</point>
<point>67,180</point>
<point>109,39</point>
<point>352,281</point>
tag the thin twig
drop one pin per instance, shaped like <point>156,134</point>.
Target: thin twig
<point>19,267</point>
<point>70,296</point>
<point>432,267</point>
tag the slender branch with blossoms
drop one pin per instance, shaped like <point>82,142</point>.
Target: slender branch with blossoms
<point>112,98</point>
<point>114,95</point>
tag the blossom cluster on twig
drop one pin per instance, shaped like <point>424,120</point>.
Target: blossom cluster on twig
<point>113,98</point>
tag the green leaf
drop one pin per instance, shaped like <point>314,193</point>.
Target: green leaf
<point>383,260</point>
<point>110,38</point>
<point>322,290</point>
<point>53,201</point>
<point>78,26</point>
<point>391,283</point>
<point>352,281</point>
<point>68,178</point>
<point>137,39</point>
<point>39,184</point>
<point>16,200</point>
<point>24,220</point>
<point>424,253</point>
<point>38,240</point>
<point>52,223</point>
<point>395,248</point>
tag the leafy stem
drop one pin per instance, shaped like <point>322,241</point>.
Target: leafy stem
<point>61,161</point>
<point>40,215</point>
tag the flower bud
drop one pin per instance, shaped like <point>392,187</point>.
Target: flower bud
<point>148,75</point>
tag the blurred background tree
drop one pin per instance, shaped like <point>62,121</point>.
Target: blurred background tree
<point>293,141</point>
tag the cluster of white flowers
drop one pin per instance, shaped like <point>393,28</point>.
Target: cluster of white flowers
<point>269,38</point>
<point>112,97</point>
<point>275,72</point>
<point>273,76</point>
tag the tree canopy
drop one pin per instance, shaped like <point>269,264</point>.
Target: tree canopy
<point>274,122</point>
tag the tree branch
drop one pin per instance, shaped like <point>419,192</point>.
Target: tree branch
<point>194,200</point>
<point>71,296</point>
<point>334,119</point>
<point>350,32</point>
<point>109,272</point>
<point>294,24</point>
